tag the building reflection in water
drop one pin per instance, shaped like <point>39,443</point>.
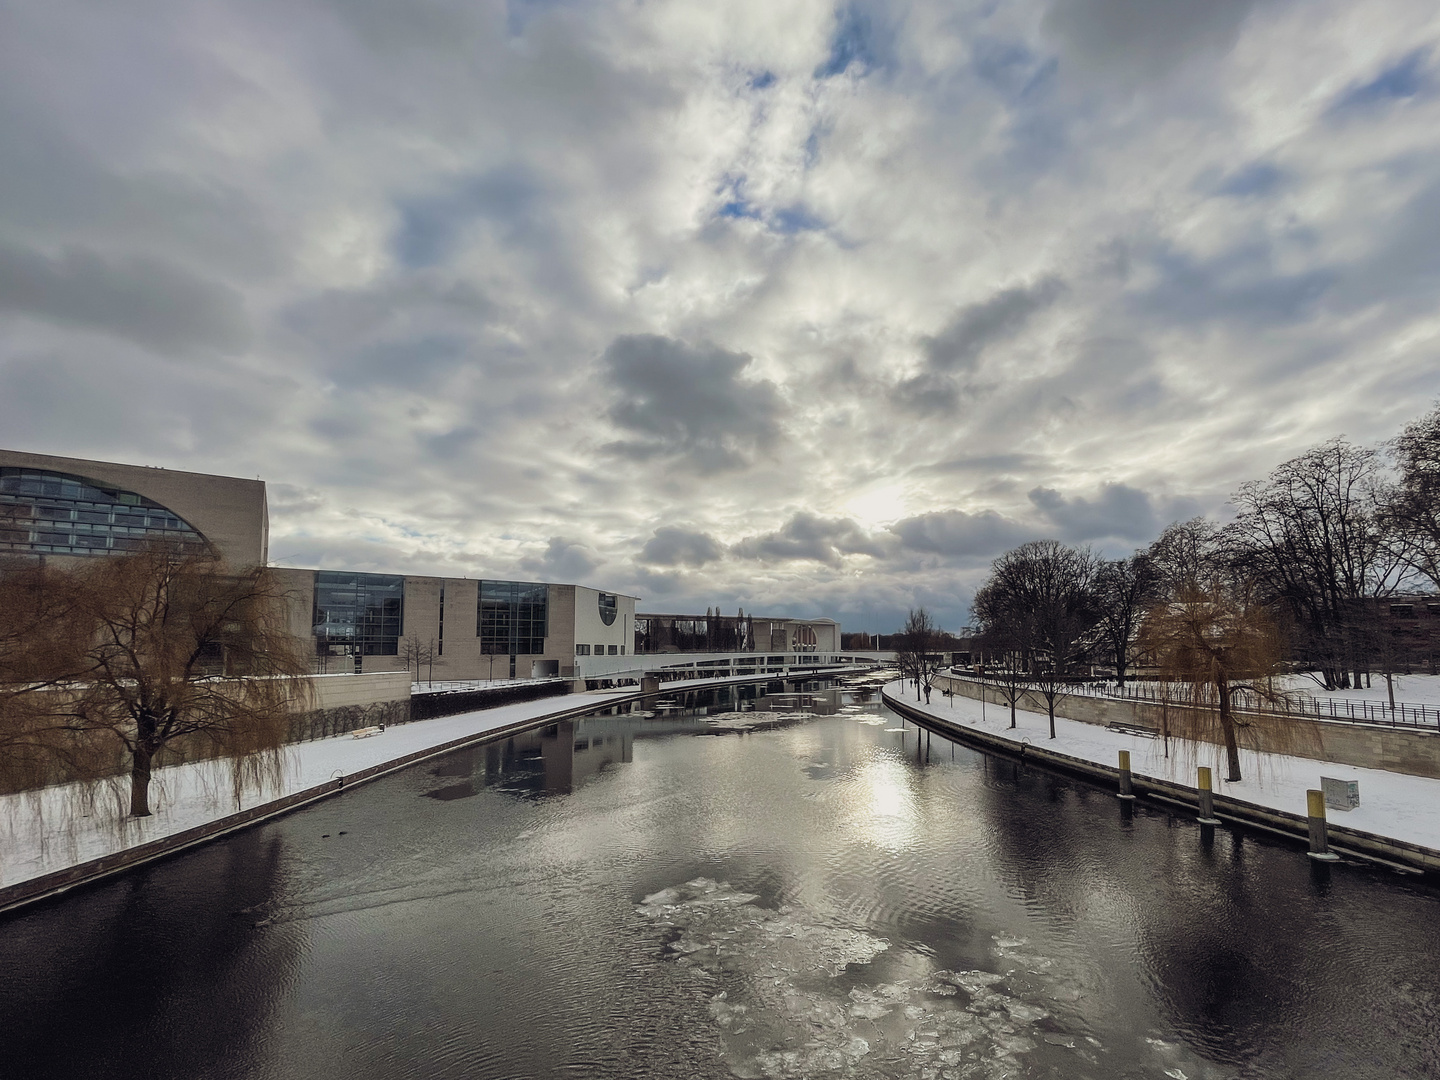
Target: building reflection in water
<point>557,759</point>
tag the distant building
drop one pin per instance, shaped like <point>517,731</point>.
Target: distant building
<point>59,508</point>
<point>655,634</point>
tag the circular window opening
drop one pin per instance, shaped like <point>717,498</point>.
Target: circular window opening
<point>607,608</point>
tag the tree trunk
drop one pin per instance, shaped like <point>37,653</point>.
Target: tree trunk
<point>1227,728</point>
<point>1012,712</point>
<point>1050,705</point>
<point>140,782</point>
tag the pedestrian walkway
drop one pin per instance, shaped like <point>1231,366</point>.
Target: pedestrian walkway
<point>1393,806</point>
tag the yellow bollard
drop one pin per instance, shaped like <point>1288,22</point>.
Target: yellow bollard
<point>1126,789</point>
<point>1207,798</point>
<point>1319,841</point>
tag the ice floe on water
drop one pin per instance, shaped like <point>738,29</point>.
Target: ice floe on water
<point>783,1011</point>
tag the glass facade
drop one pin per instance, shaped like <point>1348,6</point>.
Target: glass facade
<point>513,618</point>
<point>49,513</point>
<point>358,614</point>
<point>608,608</point>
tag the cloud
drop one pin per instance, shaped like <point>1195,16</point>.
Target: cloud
<point>432,227</point>
<point>861,40</point>
<point>689,403</point>
<point>146,300</point>
<point>1000,316</point>
<point>1119,512</point>
<point>810,537</point>
<point>1143,37</point>
<point>672,546</point>
<point>563,560</point>
<point>958,535</point>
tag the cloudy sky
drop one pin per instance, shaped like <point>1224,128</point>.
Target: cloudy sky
<point>775,303</point>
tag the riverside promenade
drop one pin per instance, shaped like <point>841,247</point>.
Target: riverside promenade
<point>1397,822</point>
<point>59,837</point>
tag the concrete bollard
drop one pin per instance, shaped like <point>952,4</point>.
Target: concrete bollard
<point>1207,798</point>
<point>1319,842</point>
<point>1126,789</point>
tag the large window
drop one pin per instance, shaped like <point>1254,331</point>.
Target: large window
<point>50,513</point>
<point>607,608</point>
<point>358,614</point>
<point>512,620</point>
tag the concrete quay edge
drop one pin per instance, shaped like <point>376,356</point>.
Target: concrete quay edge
<point>1356,843</point>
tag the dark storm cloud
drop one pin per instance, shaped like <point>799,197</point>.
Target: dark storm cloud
<point>956,350</point>
<point>563,560</point>
<point>955,534</point>
<point>1120,512</point>
<point>56,188</point>
<point>811,537</point>
<point>672,546</point>
<point>145,300</point>
<point>996,318</point>
<point>1114,38</point>
<point>688,403</point>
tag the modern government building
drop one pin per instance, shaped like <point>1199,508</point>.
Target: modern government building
<point>477,628</point>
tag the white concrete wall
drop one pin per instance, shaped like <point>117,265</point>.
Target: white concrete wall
<point>590,630</point>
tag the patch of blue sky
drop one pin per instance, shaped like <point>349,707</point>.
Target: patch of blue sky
<point>762,81</point>
<point>432,227</point>
<point>1239,286</point>
<point>1012,68</point>
<point>1259,178</point>
<point>859,39</point>
<point>518,13</point>
<point>738,208</point>
<point>795,219</point>
<point>1406,78</point>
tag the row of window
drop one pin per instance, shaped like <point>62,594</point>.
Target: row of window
<point>364,614</point>
<point>513,619</point>
<point>615,650</point>
<point>56,514</point>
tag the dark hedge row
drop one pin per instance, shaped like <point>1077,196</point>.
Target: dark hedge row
<point>453,702</point>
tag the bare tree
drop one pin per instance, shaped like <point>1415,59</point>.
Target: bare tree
<point>1412,512</point>
<point>1041,598</point>
<point>1188,555</point>
<point>417,654</point>
<point>1220,643</point>
<point>915,652</point>
<point>41,655</point>
<point>1124,589</point>
<point>175,653</point>
<point>1310,537</point>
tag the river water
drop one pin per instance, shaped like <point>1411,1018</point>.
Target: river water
<point>771,894</point>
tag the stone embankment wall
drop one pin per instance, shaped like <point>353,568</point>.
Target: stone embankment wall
<point>341,703</point>
<point>1404,750</point>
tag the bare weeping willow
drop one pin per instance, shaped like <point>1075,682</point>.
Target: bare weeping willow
<point>108,665</point>
<point>1212,648</point>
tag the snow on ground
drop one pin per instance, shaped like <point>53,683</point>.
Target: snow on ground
<point>1409,690</point>
<point>52,829</point>
<point>1392,805</point>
